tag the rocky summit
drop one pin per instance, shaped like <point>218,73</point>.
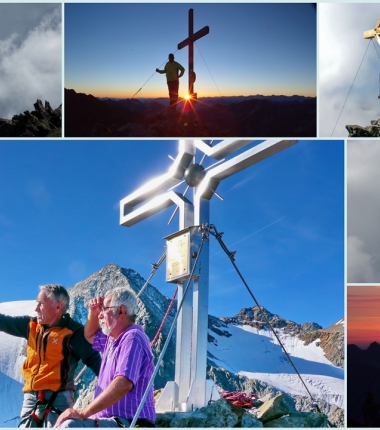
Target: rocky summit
<point>372,130</point>
<point>43,121</point>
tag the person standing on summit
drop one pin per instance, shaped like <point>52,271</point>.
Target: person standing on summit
<point>173,71</point>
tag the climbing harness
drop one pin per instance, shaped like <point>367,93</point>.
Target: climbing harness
<point>208,229</point>
<point>38,415</point>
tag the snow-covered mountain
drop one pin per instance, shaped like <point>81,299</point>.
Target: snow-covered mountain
<point>255,353</point>
<point>243,353</point>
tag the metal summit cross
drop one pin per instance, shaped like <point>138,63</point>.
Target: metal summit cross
<point>374,33</point>
<point>190,43</point>
<point>191,389</point>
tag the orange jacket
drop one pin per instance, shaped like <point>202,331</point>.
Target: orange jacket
<point>52,353</point>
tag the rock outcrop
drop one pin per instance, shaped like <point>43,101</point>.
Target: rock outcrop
<point>276,411</point>
<point>372,130</point>
<point>44,121</point>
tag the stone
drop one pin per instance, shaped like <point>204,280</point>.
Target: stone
<point>299,420</point>
<point>275,408</point>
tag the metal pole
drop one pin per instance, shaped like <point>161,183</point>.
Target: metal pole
<point>191,50</point>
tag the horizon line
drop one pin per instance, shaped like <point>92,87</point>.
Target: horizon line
<point>201,97</point>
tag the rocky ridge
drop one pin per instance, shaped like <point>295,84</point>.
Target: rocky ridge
<point>372,130</point>
<point>87,116</point>
<point>43,121</point>
<point>331,340</point>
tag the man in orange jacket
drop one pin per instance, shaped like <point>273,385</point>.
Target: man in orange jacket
<point>55,345</point>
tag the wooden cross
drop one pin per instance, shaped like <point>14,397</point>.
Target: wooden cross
<point>190,43</point>
<point>370,34</point>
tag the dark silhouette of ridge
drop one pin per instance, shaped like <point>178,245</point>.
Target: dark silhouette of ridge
<point>253,116</point>
<point>363,377</point>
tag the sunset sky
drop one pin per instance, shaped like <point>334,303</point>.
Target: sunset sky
<point>363,315</point>
<point>112,50</point>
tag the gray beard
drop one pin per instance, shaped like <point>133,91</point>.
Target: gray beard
<point>108,330</point>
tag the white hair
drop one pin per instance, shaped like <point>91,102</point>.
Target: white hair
<point>58,293</point>
<point>125,296</point>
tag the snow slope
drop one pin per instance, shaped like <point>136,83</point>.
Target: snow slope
<point>256,354</point>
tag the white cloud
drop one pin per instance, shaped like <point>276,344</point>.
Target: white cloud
<point>363,211</point>
<point>33,69</point>
<point>341,51</point>
<point>359,263</point>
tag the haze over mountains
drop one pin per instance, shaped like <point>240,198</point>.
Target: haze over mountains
<point>242,352</point>
<point>253,116</point>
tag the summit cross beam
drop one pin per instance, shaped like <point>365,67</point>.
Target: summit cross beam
<point>190,43</point>
<point>374,33</point>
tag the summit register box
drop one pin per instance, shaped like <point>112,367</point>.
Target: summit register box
<point>181,252</point>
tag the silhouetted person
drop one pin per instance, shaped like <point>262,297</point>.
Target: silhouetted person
<point>173,71</point>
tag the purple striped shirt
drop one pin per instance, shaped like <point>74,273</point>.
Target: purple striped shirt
<point>129,355</point>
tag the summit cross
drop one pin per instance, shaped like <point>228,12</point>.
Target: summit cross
<point>190,43</point>
<point>374,33</point>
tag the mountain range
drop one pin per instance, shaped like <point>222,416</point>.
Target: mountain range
<point>243,354</point>
<point>363,377</point>
<point>239,116</point>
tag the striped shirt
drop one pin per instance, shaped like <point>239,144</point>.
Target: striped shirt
<point>129,355</point>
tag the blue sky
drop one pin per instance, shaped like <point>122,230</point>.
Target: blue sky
<point>113,49</point>
<point>59,223</point>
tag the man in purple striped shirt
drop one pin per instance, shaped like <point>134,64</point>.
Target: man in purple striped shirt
<point>127,365</point>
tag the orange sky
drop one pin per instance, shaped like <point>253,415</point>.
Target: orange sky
<point>363,315</point>
<point>162,92</point>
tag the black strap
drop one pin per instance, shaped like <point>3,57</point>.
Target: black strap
<point>52,399</point>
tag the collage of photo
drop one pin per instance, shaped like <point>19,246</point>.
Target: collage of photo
<point>187,214</point>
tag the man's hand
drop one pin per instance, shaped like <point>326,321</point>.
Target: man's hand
<point>95,306</point>
<point>157,70</point>
<point>70,413</point>
<point>92,324</point>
